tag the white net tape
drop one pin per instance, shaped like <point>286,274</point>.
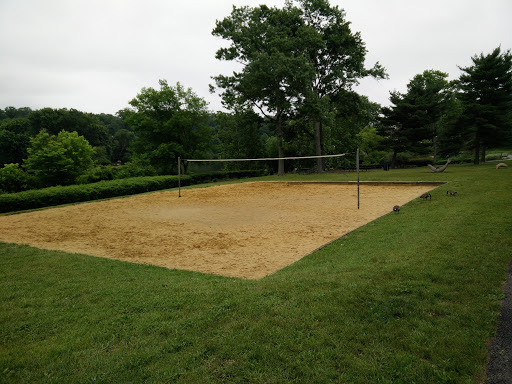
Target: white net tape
<point>268,158</point>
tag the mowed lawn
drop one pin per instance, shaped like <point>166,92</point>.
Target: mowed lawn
<point>412,297</point>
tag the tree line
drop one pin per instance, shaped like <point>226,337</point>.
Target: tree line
<point>294,95</point>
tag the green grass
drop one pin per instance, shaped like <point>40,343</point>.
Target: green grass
<point>409,298</point>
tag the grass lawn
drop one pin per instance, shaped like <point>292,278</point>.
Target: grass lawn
<point>412,297</point>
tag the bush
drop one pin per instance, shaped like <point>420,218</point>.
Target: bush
<point>58,159</point>
<point>375,158</point>
<point>13,178</point>
<point>102,172</point>
<point>402,159</point>
<point>133,169</point>
<point>421,161</point>
<point>462,158</point>
<point>51,196</point>
<point>77,193</point>
<point>109,172</point>
<point>493,156</point>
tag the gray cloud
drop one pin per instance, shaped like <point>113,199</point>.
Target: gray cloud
<point>96,55</point>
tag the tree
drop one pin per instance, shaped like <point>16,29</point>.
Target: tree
<point>451,130</point>
<point>412,121</point>
<point>13,178</point>
<point>294,58</point>
<point>85,124</point>
<point>58,159</point>
<point>12,112</point>
<point>275,71</point>
<point>121,136</point>
<point>14,139</point>
<point>486,97</point>
<point>239,136</point>
<point>169,123</point>
<point>337,57</point>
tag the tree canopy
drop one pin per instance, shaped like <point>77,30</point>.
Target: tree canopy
<point>266,41</point>
<point>411,122</point>
<point>169,123</point>
<point>58,159</point>
<point>296,58</point>
<point>486,97</point>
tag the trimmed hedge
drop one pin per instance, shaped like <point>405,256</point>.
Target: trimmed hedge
<point>39,198</point>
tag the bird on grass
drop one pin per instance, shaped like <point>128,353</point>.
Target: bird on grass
<point>451,193</point>
<point>396,209</point>
<point>426,195</point>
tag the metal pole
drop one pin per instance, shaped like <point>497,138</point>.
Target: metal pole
<point>357,167</point>
<point>179,176</point>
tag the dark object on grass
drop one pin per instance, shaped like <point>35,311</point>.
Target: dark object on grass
<point>440,169</point>
<point>451,193</point>
<point>396,209</point>
<point>426,195</point>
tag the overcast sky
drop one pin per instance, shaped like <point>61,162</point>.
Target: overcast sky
<point>96,55</point>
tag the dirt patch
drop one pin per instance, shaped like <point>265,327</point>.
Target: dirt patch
<point>244,230</point>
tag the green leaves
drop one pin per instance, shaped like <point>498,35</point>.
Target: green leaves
<point>297,60</point>
<point>412,121</point>
<point>486,96</point>
<point>169,122</point>
<point>59,159</point>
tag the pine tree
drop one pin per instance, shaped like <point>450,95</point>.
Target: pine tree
<point>486,97</point>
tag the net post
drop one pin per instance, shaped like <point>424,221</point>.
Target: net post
<point>357,167</point>
<point>179,176</point>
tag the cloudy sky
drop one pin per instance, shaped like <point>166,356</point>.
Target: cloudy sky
<point>96,55</point>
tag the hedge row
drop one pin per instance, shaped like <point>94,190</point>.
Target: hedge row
<point>39,198</point>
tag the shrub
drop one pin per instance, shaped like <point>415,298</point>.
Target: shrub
<point>375,158</point>
<point>51,196</point>
<point>59,159</point>
<point>109,172</point>
<point>402,159</point>
<point>13,178</point>
<point>462,158</point>
<point>99,173</point>
<point>493,156</point>
<point>421,161</point>
<point>133,169</point>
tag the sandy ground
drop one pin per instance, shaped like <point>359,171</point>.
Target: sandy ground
<point>244,230</point>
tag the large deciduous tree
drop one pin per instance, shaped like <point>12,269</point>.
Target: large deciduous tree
<point>169,123</point>
<point>486,97</point>
<point>337,56</point>
<point>298,57</point>
<point>264,40</point>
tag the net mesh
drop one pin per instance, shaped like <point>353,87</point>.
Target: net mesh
<point>295,164</point>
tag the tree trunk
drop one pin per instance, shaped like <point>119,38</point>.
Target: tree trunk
<point>435,149</point>
<point>482,159</point>
<point>476,160</point>
<point>393,160</point>
<point>320,164</point>
<point>280,149</point>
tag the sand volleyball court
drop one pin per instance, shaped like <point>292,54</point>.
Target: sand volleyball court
<point>246,230</point>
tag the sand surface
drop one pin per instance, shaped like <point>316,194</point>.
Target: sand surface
<point>244,230</point>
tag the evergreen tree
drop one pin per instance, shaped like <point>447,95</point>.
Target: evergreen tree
<point>412,122</point>
<point>486,97</point>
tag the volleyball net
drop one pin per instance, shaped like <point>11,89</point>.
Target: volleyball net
<point>180,160</point>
